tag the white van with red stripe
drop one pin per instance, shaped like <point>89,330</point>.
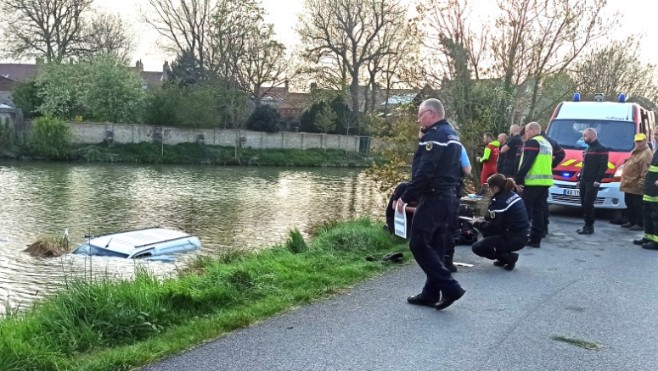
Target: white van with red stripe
<point>616,123</point>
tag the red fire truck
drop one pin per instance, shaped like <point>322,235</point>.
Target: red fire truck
<point>616,124</point>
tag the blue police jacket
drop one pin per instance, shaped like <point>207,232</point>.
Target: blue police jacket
<point>436,165</point>
<point>507,216</point>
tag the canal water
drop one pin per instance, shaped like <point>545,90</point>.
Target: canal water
<point>226,207</point>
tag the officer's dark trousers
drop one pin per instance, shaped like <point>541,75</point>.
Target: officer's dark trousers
<point>651,221</point>
<point>496,246</point>
<point>587,196</point>
<point>535,199</point>
<point>634,206</point>
<point>433,222</point>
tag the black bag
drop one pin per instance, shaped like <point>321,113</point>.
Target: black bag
<point>465,234</point>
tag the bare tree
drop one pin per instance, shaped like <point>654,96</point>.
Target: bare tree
<point>108,35</point>
<point>244,50</point>
<point>347,33</point>
<point>562,30</point>
<point>47,29</point>
<point>617,68</point>
<point>186,24</point>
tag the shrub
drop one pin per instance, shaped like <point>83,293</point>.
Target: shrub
<point>264,118</point>
<point>296,243</point>
<point>50,138</point>
<point>161,106</point>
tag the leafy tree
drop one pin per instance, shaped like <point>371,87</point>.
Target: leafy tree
<point>161,106</point>
<point>200,104</point>
<point>325,120</point>
<point>264,118</point>
<point>100,89</point>
<point>397,140</point>
<point>111,92</point>
<point>50,137</point>
<point>186,70</point>
<point>61,90</point>
<point>26,97</point>
<point>345,119</point>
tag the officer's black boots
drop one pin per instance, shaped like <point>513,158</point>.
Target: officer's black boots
<point>420,299</point>
<point>447,298</point>
<point>587,229</point>
<point>650,245</point>
<point>507,261</point>
<point>511,260</point>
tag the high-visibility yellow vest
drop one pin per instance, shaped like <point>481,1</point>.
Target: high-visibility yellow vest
<point>541,172</point>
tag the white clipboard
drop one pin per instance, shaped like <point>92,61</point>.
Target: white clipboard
<point>401,222</point>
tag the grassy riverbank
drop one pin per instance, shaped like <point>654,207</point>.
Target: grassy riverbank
<point>190,153</point>
<point>108,325</point>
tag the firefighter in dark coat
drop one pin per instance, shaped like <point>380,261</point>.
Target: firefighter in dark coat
<point>506,226</point>
<point>595,164</point>
<point>436,172</point>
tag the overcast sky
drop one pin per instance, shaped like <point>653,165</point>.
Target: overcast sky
<point>636,19</point>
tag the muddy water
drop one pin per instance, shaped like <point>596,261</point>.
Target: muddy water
<point>226,207</point>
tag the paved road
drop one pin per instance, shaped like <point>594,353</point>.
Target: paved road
<point>598,289</point>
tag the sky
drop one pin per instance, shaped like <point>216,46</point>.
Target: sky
<point>635,17</point>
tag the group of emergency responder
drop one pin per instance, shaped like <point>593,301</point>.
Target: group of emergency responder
<point>518,213</point>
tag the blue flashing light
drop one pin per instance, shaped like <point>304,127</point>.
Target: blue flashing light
<point>576,97</point>
<point>566,174</point>
<point>621,98</point>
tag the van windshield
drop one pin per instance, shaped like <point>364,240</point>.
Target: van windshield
<point>617,136</point>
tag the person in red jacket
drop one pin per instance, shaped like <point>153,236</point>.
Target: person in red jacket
<point>489,158</point>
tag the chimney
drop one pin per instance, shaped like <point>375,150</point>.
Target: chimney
<point>314,86</point>
<point>166,71</point>
<point>286,84</point>
<point>139,66</point>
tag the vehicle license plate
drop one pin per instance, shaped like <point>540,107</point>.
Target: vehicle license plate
<point>572,192</point>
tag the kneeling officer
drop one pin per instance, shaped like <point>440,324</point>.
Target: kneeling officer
<point>505,228</point>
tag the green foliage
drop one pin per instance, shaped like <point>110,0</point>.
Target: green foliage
<point>397,138</point>
<point>61,90</point>
<point>50,137</point>
<point>296,243</point>
<point>185,70</point>
<point>344,117</point>
<point>325,120</point>
<point>122,325</point>
<point>100,90</point>
<point>25,96</point>
<point>264,118</point>
<point>192,153</point>
<point>350,237</point>
<point>161,107</point>
<point>111,91</point>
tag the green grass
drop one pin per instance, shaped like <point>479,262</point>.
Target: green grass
<point>190,153</point>
<point>120,325</point>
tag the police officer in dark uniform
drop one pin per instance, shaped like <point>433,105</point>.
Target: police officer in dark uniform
<point>506,226</point>
<point>436,172</point>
